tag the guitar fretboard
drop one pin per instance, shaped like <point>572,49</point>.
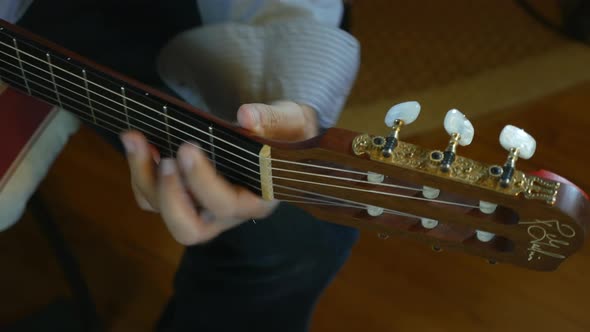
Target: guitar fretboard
<point>116,105</point>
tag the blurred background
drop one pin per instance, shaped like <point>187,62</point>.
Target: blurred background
<point>498,61</point>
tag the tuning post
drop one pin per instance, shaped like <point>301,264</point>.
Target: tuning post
<point>487,207</point>
<point>519,144</point>
<point>429,192</point>
<point>484,236</point>
<point>375,177</point>
<point>428,223</point>
<point>461,131</point>
<point>374,211</point>
<point>398,116</point>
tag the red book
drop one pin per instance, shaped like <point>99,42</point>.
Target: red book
<point>32,133</point>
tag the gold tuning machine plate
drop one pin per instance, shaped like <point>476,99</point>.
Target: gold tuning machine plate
<point>462,170</point>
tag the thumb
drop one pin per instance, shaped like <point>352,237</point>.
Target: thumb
<point>284,120</point>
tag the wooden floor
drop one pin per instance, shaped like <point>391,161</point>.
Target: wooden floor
<point>387,285</point>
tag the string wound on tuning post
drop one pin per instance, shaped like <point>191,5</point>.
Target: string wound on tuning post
<point>519,144</point>
<point>398,116</point>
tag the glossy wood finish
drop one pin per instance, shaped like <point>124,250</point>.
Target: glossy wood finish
<point>529,232</point>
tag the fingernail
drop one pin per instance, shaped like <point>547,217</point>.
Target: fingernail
<point>167,166</point>
<point>187,160</point>
<point>129,144</point>
<point>256,118</point>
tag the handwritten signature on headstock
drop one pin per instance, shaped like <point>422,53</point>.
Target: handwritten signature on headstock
<point>548,235</point>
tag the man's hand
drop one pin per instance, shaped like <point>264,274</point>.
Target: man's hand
<point>175,188</point>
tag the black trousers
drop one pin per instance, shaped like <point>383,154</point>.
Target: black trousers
<point>258,277</point>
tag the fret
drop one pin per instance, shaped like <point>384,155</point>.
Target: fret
<point>246,169</point>
<point>165,114</point>
<point>70,87</point>
<point>233,155</point>
<point>187,129</point>
<point>109,111</point>
<point>20,63</point>
<point>38,72</point>
<point>9,65</point>
<point>212,141</point>
<point>116,105</point>
<point>87,91</point>
<point>53,79</point>
<point>124,100</point>
<point>145,115</point>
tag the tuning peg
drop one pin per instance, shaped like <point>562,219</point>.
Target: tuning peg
<point>428,223</point>
<point>430,192</point>
<point>487,207</point>
<point>484,236</point>
<point>375,177</point>
<point>398,116</point>
<point>519,144</point>
<point>461,131</point>
<point>374,211</point>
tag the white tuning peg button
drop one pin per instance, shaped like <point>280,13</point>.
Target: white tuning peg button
<point>519,144</point>
<point>484,236</point>
<point>430,193</point>
<point>461,131</point>
<point>397,117</point>
<point>375,177</point>
<point>407,112</point>
<point>513,137</point>
<point>456,123</point>
<point>428,223</point>
<point>374,211</point>
<point>487,207</point>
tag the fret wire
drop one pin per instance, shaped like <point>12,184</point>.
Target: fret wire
<point>53,78</point>
<point>138,103</point>
<point>253,149</point>
<point>88,95</point>
<point>253,153</point>
<point>125,107</point>
<point>212,142</point>
<point>146,131</point>
<point>217,163</point>
<point>20,62</point>
<point>165,111</point>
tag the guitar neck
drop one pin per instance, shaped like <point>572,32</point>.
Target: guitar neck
<point>108,100</point>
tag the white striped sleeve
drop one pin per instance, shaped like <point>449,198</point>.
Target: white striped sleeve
<point>291,57</point>
<point>13,10</point>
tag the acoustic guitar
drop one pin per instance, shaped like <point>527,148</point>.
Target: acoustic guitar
<point>378,182</point>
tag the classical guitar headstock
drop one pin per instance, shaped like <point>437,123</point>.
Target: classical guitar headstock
<point>438,196</point>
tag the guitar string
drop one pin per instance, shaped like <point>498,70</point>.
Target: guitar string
<point>289,179</point>
<point>57,92</point>
<point>317,183</point>
<point>117,111</point>
<point>307,199</point>
<point>359,206</point>
<point>183,132</point>
<point>147,107</point>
